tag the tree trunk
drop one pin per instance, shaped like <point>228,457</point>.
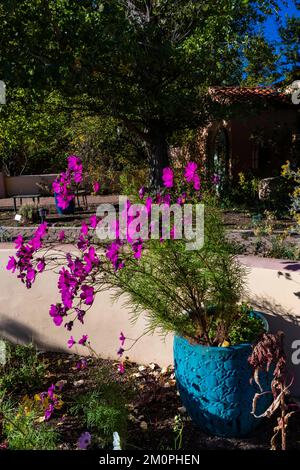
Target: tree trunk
<point>158,155</point>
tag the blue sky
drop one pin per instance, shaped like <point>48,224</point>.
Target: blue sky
<point>271,27</point>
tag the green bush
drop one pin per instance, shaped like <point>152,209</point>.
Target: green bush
<point>195,294</point>
<point>29,213</point>
<point>103,410</point>
<point>23,369</point>
<point>23,431</point>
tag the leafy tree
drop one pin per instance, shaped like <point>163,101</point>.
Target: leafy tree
<point>33,135</point>
<point>290,46</point>
<point>262,62</point>
<point>147,63</point>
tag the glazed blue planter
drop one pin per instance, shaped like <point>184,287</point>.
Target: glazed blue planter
<point>68,210</point>
<point>214,386</point>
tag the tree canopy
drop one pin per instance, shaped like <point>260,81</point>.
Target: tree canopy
<point>146,63</point>
<point>290,46</point>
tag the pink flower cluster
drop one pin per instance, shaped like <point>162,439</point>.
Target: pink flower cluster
<point>24,262</point>
<point>77,272</point>
<point>52,399</point>
<point>122,339</point>
<point>62,186</point>
<point>113,252</point>
<point>190,176</point>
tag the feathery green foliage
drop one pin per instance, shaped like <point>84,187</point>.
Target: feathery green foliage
<point>195,294</point>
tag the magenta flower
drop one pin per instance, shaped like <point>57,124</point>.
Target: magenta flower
<point>18,242</point>
<point>61,236</point>
<point>31,273</point>
<point>196,181</point>
<point>93,221</point>
<point>57,320</point>
<point>181,200</point>
<point>74,162</point>
<point>96,187</point>
<point>172,233</point>
<point>49,412</point>
<point>69,325</point>
<point>87,294</point>
<point>51,391</point>
<point>83,243</point>
<point>68,285</point>
<point>71,342</point>
<point>137,248</point>
<point>75,167</point>
<point>36,243</point>
<point>62,186</point>
<point>83,340</point>
<point>84,441</point>
<point>120,352</point>
<point>12,264</point>
<point>142,192</point>
<point>215,179</point>
<point>148,204</point>
<point>41,230</point>
<point>167,199</point>
<point>81,364</point>
<point>80,315</point>
<point>91,260</point>
<point>122,338</point>
<point>84,229</point>
<point>41,265</point>
<point>121,368</point>
<point>54,309</point>
<point>57,312</point>
<point>190,171</point>
<point>112,253</point>
<point>168,177</point>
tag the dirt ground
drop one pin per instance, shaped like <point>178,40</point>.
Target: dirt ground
<point>154,403</point>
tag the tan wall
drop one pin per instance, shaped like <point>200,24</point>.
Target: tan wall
<point>24,313</point>
<point>26,184</point>
<point>24,317</point>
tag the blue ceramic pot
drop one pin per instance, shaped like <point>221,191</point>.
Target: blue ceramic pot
<point>214,385</point>
<point>68,210</point>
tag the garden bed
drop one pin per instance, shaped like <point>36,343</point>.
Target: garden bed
<point>151,402</point>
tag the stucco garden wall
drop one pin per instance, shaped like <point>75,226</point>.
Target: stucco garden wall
<point>273,285</point>
<point>26,184</point>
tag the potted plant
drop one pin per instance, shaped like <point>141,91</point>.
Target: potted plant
<point>196,294</point>
<point>29,213</point>
<point>64,184</point>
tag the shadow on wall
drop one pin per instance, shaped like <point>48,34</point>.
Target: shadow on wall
<point>281,319</point>
<point>290,266</point>
<point>18,333</point>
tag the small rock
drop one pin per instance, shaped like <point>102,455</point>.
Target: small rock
<point>164,371</point>
<point>41,419</point>
<point>78,383</point>
<point>155,373</point>
<point>153,366</point>
<point>136,375</point>
<point>144,425</point>
<point>60,384</point>
<point>167,385</point>
<point>182,410</point>
<point>132,418</point>
<point>142,368</point>
<point>172,376</point>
